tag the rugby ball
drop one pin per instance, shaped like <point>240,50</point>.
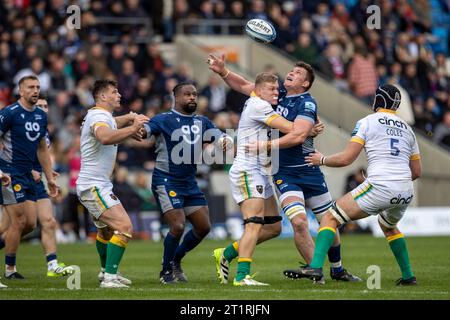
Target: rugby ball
<point>260,30</point>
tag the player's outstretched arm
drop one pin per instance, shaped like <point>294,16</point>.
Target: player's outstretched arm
<point>340,159</point>
<point>125,120</point>
<point>107,136</point>
<point>416,168</point>
<point>43,154</point>
<point>233,80</point>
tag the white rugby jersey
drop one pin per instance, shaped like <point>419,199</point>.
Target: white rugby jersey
<point>390,144</point>
<point>253,125</point>
<point>97,160</point>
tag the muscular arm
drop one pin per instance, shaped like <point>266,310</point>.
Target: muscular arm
<point>124,120</point>
<point>233,80</point>
<point>298,135</point>
<point>340,159</point>
<point>107,136</point>
<point>416,168</point>
<point>43,154</point>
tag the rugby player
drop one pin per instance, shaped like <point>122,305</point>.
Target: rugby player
<point>100,134</point>
<point>297,184</point>
<point>23,128</point>
<point>180,135</point>
<point>393,163</point>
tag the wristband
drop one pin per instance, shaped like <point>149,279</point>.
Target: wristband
<point>227,73</point>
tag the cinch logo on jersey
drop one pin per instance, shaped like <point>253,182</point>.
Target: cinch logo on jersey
<point>400,200</point>
<point>172,194</point>
<point>17,187</point>
<point>392,122</point>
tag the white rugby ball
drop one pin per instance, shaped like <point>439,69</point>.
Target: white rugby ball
<point>260,30</point>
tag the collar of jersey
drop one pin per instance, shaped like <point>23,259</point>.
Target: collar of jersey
<point>28,110</point>
<point>386,110</point>
<point>184,115</point>
<point>296,95</point>
<point>99,108</point>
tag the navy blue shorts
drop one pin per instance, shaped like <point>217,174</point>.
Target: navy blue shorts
<point>41,192</point>
<point>307,183</point>
<point>171,194</point>
<point>21,189</point>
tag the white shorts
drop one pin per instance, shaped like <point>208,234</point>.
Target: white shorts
<point>388,201</point>
<point>97,200</point>
<point>249,184</point>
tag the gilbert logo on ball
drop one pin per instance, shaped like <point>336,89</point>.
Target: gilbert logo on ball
<point>260,30</point>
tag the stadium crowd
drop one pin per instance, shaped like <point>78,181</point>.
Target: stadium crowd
<point>330,35</point>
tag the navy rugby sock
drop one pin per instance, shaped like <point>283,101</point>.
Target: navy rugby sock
<point>190,241</point>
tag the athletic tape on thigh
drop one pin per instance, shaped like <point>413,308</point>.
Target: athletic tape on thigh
<point>384,221</point>
<point>339,214</point>
<point>293,209</point>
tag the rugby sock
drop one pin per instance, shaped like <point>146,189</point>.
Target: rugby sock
<point>190,241</point>
<point>170,247</point>
<point>324,240</point>
<point>52,261</point>
<point>10,263</point>
<point>243,268</point>
<point>398,247</point>
<point>231,251</point>
<point>102,246</point>
<point>334,256</point>
<point>114,253</point>
<point>2,242</point>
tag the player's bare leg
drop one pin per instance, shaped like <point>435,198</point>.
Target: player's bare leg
<point>253,215</point>
<point>294,208</point>
<point>199,219</point>
<point>4,224</point>
<point>23,221</point>
<point>118,220</point>
<point>48,239</point>
<point>224,256</point>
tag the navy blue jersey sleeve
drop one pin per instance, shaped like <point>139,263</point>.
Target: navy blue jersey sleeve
<point>210,132</point>
<point>153,126</point>
<point>308,111</point>
<point>5,120</point>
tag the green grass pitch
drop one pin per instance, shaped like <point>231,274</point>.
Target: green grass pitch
<point>430,257</point>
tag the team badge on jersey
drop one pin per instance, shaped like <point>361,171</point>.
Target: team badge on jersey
<point>172,193</point>
<point>113,196</point>
<point>260,189</point>
<point>279,181</point>
<point>17,187</point>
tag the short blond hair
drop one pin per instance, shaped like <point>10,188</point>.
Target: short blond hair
<point>265,77</point>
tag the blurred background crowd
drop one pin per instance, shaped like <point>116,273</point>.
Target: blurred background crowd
<point>410,50</point>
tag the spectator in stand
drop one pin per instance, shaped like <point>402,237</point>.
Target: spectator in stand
<point>332,66</point>
<point>127,81</point>
<point>442,131</point>
<point>215,93</point>
<point>362,75</point>
<point>257,10</point>
<point>305,49</point>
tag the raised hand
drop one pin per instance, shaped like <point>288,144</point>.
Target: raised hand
<point>217,64</point>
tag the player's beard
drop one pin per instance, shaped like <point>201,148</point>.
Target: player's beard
<point>190,107</point>
<point>32,100</point>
